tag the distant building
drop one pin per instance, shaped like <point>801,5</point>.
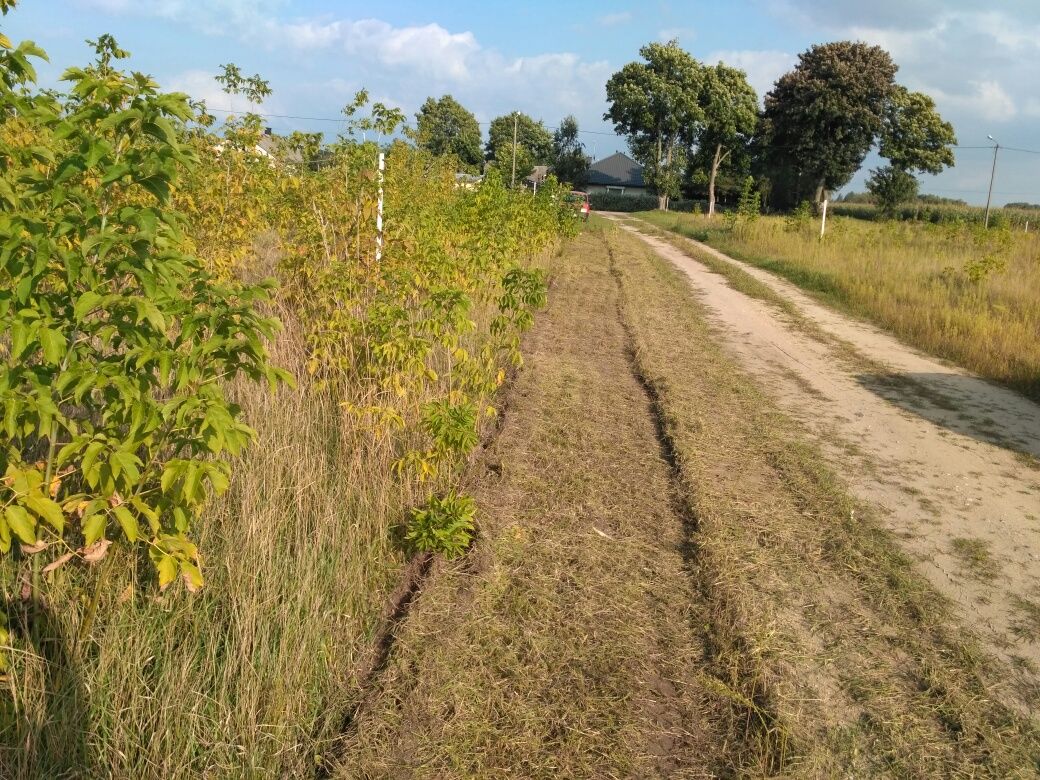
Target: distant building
<point>271,147</point>
<point>536,178</point>
<point>618,173</point>
<point>467,181</point>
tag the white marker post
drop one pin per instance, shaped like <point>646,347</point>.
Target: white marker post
<point>823,221</point>
<point>379,210</point>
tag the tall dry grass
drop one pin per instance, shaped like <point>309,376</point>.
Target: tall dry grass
<point>252,676</point>
<point>908,278</point>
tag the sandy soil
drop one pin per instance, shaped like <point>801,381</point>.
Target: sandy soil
<point>949,459</point>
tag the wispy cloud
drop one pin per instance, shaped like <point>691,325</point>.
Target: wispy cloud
<point>613,20</point>
<point>429,48</point>
<point>402,63</point>
<point>763,67</point>
<point>985,98</point>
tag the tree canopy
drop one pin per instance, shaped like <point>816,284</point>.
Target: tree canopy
<point>822,118</point>
<point>891,186</point>
<point>534,144</point>
<point>570,163</point>
<point>730,107</point>
<point>656,104</point>
<point>445,127</point>
<point>914,136</point>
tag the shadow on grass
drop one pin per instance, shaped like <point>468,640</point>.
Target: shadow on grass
<point>966,405</point>
<point>54,743</point>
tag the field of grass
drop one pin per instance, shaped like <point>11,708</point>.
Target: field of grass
<point>943,213</point>
<point>252,675</point>
<point>909,278</point>
<point>669,581</point>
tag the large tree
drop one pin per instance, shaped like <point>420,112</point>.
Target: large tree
<point>914,137</point>
<point>656,104</point>
<point>823,117</point>
<point>445,127</point>
<point>730,107</point>
<point>534,144</point>
<point>570,163</point>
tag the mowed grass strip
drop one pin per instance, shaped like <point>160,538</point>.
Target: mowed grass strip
<point>566,645</point>
<point>907,278</point>
<point>814,613</point>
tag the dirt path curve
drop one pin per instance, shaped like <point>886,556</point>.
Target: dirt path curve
<point>950,459</point>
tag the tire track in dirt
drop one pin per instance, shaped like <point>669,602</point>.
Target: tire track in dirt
<point>947,457</point>
<point>569,648</point>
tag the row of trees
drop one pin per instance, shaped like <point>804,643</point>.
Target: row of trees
<point>685,120</point>
<point>445,126</point>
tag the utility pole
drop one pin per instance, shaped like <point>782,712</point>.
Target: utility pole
<point>992,175</point>
<point>379,209</point>
<point>513,184</point>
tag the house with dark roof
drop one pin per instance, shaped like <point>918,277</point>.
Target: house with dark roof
<point>536,178</point>
<point>618,173</point>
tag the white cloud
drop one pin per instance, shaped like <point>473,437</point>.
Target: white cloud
<point>429,48</point>
<point>613,20</point>
<point>763,67</point>
<point>1012,35</point>
<point>212,16</point>
<point>986,99</point>
<point>200,84</point>
<point>901,44</point>
<point>404,63</point>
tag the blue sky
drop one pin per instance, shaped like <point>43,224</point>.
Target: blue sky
<point>980,61</point>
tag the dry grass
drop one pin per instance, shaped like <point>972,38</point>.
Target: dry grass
<point>252,677</point>
<point>666,583</point>
<point>567,645</point>
<point>815,613</point>
<point>897,275</point>
<point>976,557</point>
<point>669,583</point>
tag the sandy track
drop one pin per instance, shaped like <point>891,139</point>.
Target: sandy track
<point>949,459</point>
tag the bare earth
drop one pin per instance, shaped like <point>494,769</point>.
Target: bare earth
<point>949,459</point>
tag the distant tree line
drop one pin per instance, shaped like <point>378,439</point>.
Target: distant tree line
<point>444,126</point>
<point>698,128</point>
<point>699,131</point>
<point>930,200</point>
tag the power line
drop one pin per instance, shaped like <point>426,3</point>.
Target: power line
<point>344,119</point>
<point>547,127</point>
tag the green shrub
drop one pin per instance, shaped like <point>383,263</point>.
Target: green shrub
<point>117,343</point>
<point>444,525</point>
<point>615,201</point>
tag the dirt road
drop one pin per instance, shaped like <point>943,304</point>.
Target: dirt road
<point>950,460</point>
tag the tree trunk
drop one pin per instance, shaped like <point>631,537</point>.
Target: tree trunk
<point>669,164</point>
<point>662,199</point>
<point>715,163</point>
<point>821,194</point>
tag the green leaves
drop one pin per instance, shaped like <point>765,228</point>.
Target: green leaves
<point>109,421</point>
<point>19,522</point>
<point>656,103</point>
<point>444,525</point>
<point>127,522</point>
<point>46,510</point>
